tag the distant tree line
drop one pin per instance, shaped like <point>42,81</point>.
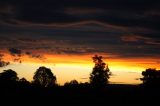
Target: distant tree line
<point>45,78</point>
<point>99,77</point>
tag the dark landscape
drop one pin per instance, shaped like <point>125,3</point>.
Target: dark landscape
<point>79,52</point>
<point>44,90</point>
<point>81,95</point>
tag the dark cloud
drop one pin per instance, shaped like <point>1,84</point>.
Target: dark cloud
<point>18,53</point>
<point>36,56</point>
<point>3,63</point>
<point>130,13</point>
<point>120,28</point>
<point>82,41</point>
<point>138,38</point>
<point>15,52</point>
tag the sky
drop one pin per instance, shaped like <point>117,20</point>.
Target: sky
<point>64,35</point>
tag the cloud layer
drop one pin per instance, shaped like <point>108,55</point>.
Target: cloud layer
<point>120,28</point>
<point>133,13</point>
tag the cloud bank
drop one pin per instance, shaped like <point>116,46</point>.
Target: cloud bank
<point>120,28</point>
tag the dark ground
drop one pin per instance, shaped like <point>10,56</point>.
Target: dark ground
<point>113,94</point>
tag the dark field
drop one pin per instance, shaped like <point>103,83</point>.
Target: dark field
<point>81,95</point>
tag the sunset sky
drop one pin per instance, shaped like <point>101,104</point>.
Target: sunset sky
<point>64,35</point>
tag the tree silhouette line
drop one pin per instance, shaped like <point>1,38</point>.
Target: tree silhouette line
<point>45,78</point>
<point>44,89</point>
<point>99,77</point>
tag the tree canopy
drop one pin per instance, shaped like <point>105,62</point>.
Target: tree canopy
<point>44,77</point>
<point>71,83</point>
<point>8,75</point>
<point>100,73</point>
<point>151,76</point>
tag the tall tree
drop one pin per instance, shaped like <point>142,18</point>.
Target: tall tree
<point>100,73</point>
<point>44,77</point>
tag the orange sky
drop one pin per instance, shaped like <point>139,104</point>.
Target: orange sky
<point>65,37</point>
<point>69,67</point>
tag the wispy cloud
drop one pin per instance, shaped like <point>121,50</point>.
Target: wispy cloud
<point>138,38</point>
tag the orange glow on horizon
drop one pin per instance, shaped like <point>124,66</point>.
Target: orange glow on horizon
<point>68,67</point>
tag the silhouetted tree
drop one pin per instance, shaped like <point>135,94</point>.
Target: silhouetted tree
<point>24,81</point>
<point>44,77</point>
<point>23,85</point>
<point>8,75</point>
<point>100,73</point>
<point>71,83</point>
<point>74,82</point>
<point>151,76</point>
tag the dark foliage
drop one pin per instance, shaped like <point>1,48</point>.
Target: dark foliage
<point>8,75</point>
<point>100,73</point>
<point>44,77</point>
<point>72,83</point>
<point>151,76</point>
<point>23,81</point>
<point>21,92</point>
